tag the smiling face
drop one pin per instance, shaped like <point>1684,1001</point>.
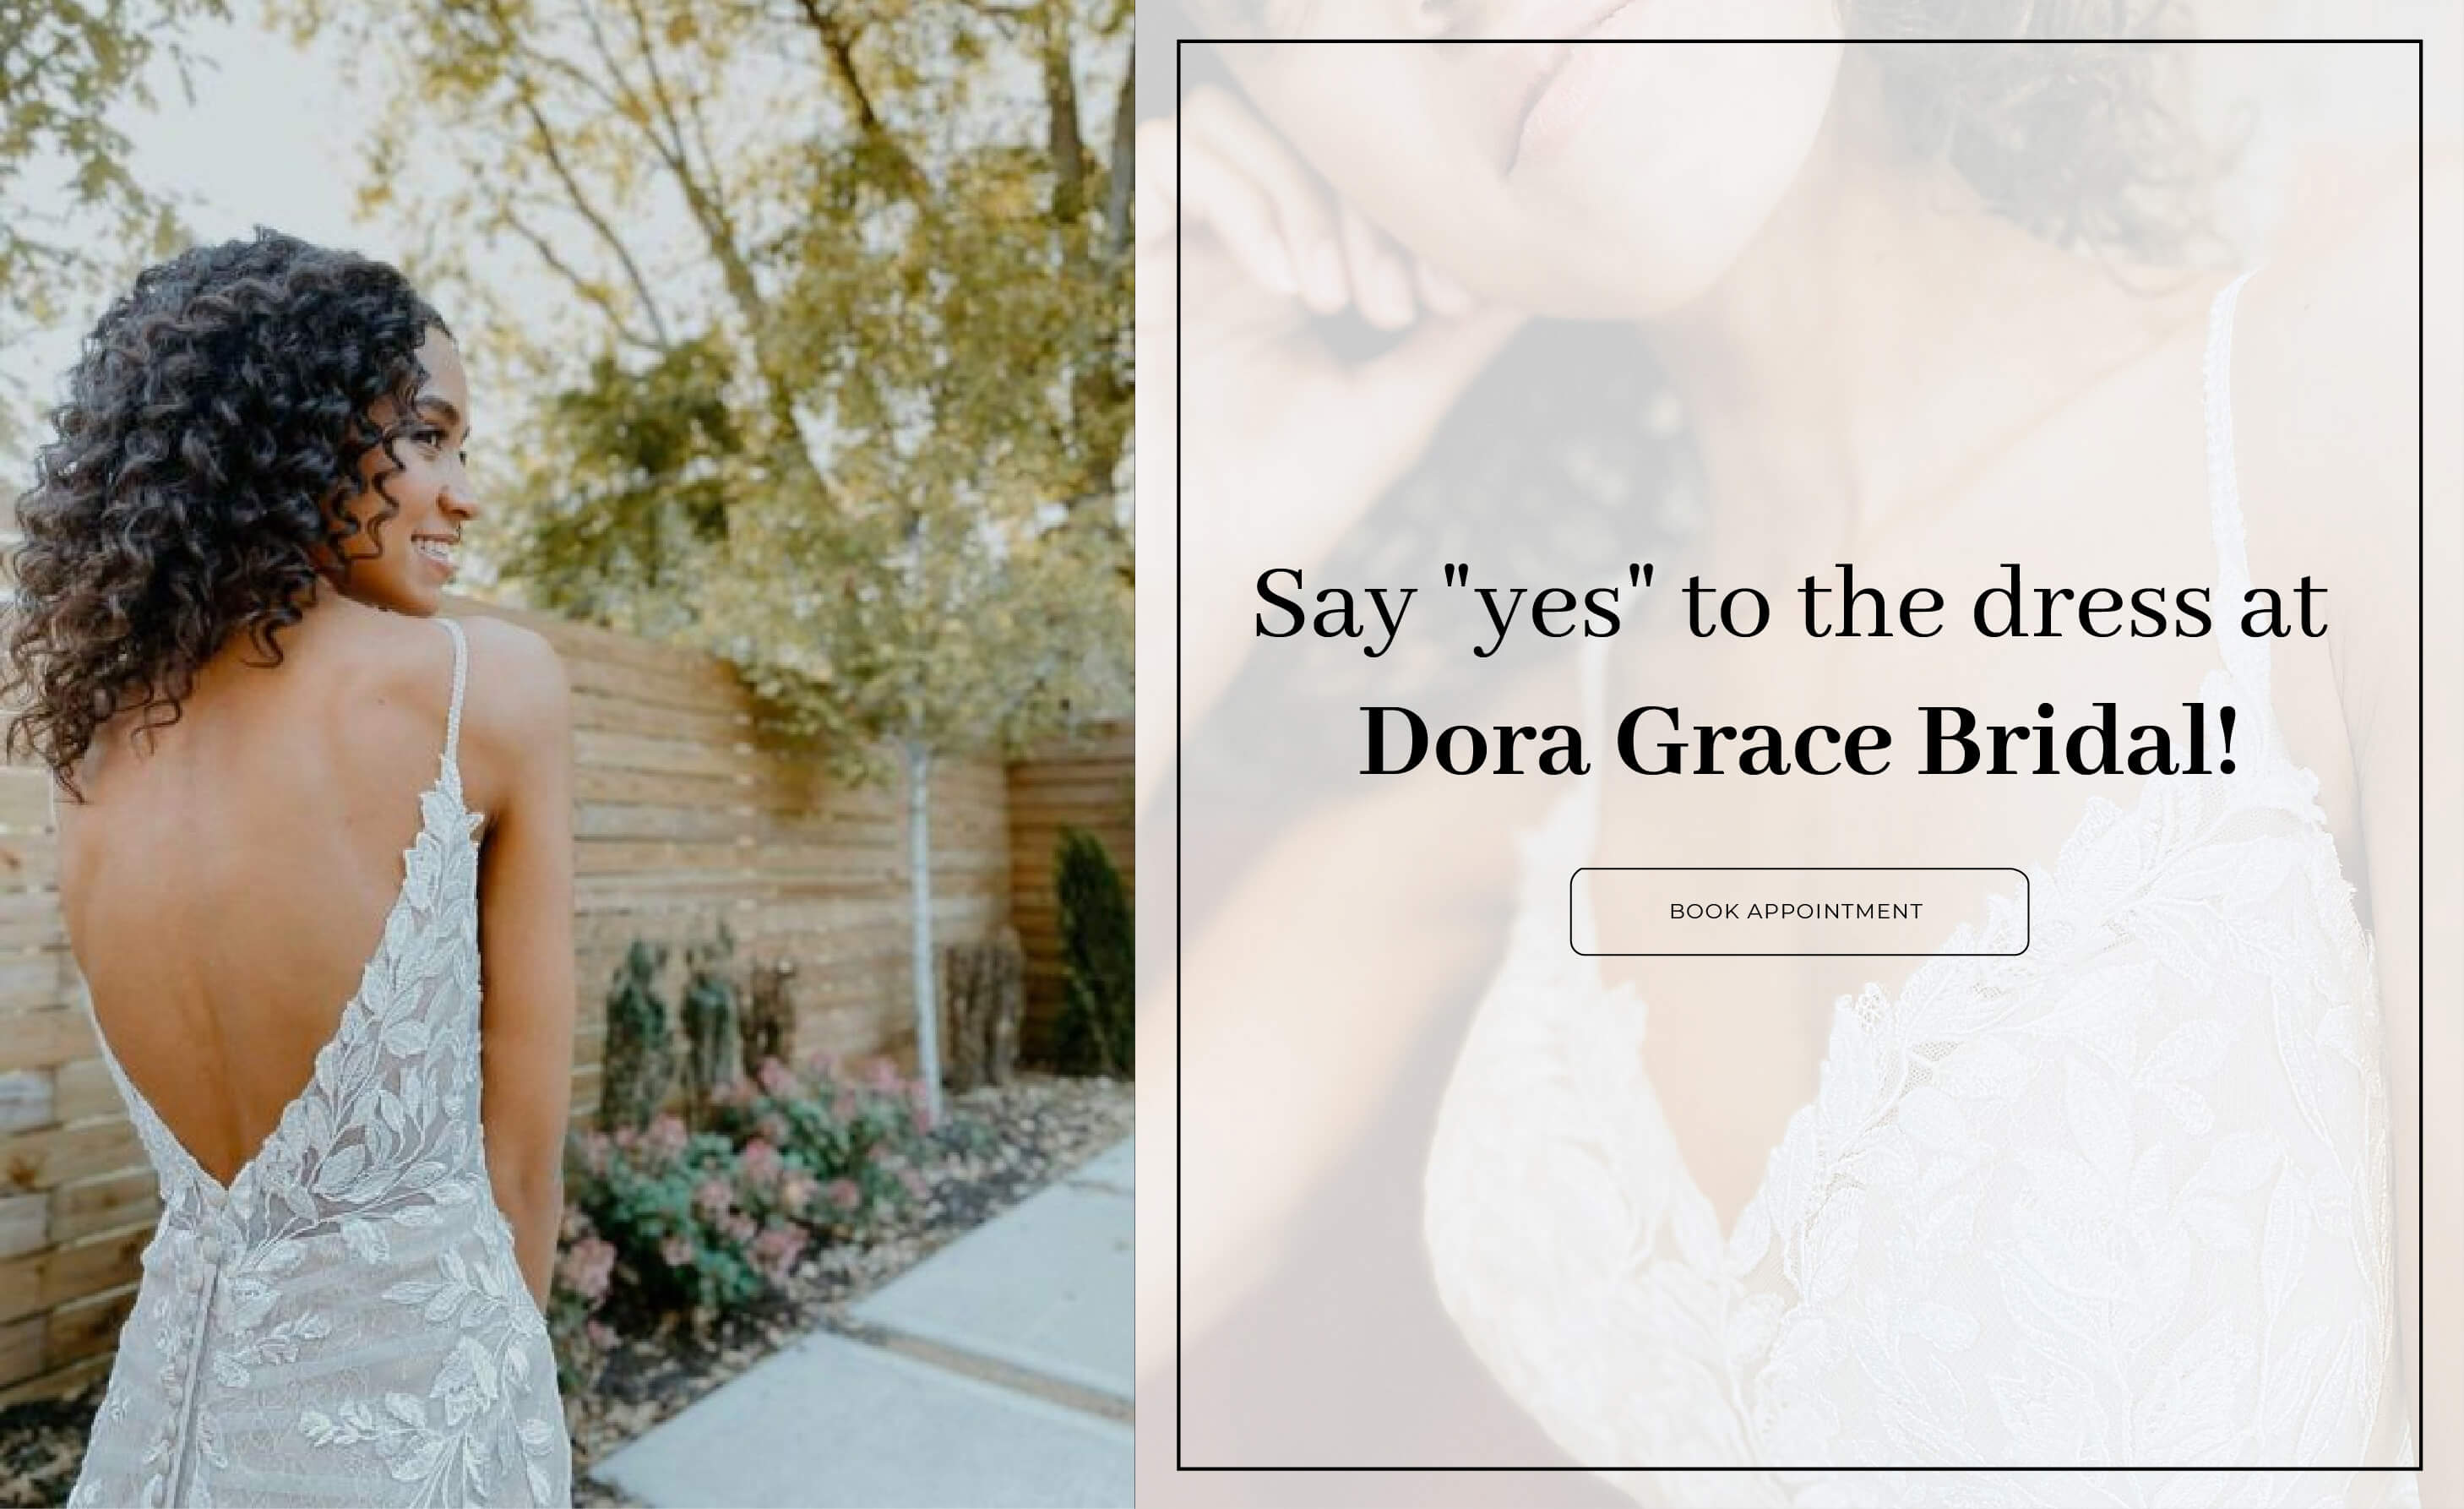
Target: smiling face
<point>404,554</point>
<point>1615,177</point>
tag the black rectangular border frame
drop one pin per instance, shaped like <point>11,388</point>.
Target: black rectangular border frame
<point>2027,903</point>
<point>2421,692</point>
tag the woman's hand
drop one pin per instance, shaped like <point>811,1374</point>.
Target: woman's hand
<point>1288,447</point>
<point>1288,444</point>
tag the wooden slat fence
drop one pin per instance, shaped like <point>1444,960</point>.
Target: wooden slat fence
<point>1087,782</point>
<point>680,820</point>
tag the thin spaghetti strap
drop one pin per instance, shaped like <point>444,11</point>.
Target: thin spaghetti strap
<point>453,711</point>
<point>2245,657</point>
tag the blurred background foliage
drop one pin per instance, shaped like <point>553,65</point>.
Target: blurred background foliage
<point>844,389</point>
<point>65,71</point>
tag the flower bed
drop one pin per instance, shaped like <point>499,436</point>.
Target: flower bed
<point>670,1222</point>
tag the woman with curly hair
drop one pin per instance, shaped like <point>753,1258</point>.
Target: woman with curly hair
<point>301,826</point>
<point>2097,1188</point>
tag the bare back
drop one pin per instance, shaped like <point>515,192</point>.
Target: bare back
<point>225,889</point>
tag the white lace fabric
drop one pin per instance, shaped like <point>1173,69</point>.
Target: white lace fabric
<point>2118,1205</point>
<point>346,1324</point>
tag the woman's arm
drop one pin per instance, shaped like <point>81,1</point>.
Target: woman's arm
<point>525,932</point>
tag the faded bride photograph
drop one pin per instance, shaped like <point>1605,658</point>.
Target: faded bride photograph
<point>2104,1190</point>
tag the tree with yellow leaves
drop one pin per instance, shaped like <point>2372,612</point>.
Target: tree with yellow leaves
<point>842,390</point>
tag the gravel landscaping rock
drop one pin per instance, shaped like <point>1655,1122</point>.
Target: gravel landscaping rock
<point>998,1146</point>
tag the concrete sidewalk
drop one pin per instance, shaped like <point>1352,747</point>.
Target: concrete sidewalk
<point>999,1371</point>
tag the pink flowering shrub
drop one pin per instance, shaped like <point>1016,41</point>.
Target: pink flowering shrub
<point>664,1219</point>
<point>832,1149</point>
<point>585,1270</point>
<point>690,1222</point>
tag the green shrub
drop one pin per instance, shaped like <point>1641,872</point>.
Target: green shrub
<point>639,1062</point>
<point>710,1011</point>
<point>1099,950</point>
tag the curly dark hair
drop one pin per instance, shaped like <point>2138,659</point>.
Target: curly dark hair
<point>2083,143</point>
<point>216,420</point>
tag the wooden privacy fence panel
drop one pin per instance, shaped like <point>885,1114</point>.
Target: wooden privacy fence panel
<point>1087,782</point>
<point>680,820</point>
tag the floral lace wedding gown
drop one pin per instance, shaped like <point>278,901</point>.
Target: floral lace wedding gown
<point>2121,1201</point>
<point>346,1324</point>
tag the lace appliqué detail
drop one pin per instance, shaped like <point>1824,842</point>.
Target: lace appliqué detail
<point>2122,1198</point>
<point>2120,1202</point>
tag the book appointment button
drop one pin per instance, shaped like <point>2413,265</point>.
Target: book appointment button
<point>1638,910</point>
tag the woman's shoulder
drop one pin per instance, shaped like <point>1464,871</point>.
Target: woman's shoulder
<point>2331,354</point>
<point>520,660</point>
<point>516,704</point>
<point>2350,242</point>
<point>514,692</point>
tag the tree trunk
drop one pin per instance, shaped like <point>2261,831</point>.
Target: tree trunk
<point>919,865</point>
